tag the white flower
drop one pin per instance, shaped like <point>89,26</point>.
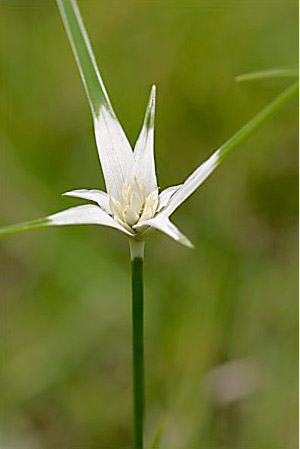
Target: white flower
<point>132,203</point>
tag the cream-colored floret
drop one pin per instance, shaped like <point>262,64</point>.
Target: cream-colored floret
<point>133,204</point>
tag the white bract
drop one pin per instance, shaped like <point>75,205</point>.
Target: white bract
<point>132,203</point>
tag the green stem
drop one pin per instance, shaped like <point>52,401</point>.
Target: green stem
<point>137,259</point>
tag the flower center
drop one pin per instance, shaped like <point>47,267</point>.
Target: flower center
<point>133,204</point>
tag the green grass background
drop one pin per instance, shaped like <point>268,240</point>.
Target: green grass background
<point>220,318</point>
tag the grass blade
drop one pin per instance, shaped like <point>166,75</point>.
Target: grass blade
<point>246,131</point>
<point>27,226</point>
<point>158,435</point>
<point>84,55</point>
<point>271,73</point>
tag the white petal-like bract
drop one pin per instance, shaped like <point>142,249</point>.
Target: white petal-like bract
<point>87,214</point>
<point>165,196</point>
<point>162,223</point>
<point>144,163</point>
<point>192,183</point>
<point>115,153</point>
<point>98,196</point>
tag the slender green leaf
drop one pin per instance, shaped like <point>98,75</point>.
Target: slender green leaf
<point>27,226</point>
<point>271,73</point>
<point>84,55</point>
<point>158,435</point>
<point>250,128</point>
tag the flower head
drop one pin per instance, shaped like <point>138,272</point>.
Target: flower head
<point>132,203</point>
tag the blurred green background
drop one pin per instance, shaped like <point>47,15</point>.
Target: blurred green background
<point>221,320</point>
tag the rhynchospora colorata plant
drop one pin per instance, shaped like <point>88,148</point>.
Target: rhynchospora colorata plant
<point>132,202</point>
